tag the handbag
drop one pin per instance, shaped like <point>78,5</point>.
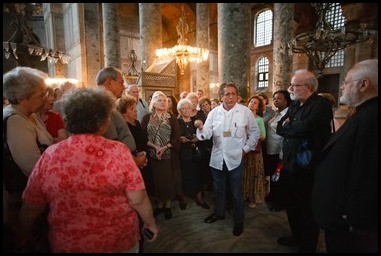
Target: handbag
<point>304,154</point>
<point>14,179</point>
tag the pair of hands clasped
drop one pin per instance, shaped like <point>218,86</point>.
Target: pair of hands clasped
<point>160,150</point>
<point>184,139</point>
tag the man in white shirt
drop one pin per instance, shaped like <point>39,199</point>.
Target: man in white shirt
<point>141,105</point>
<point>235,133</point>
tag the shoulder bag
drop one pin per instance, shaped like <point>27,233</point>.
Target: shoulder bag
<point>14,179</point>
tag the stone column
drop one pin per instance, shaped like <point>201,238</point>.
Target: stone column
<point>203,42</point>
<point>283,33</point>
<point>111,34</point>
<point>150,32</point>
<point>54,20</point>
<point>234,45</point>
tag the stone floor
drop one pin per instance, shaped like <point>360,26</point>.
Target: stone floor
<point>186,232</point>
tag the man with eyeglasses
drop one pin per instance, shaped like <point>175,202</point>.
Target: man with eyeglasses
<point>308,120</point>
<point>345,192</point>
<point>235,133</point>
<point>110,78</point>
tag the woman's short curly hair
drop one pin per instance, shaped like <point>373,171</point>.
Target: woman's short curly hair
<point>22,82</point>
<point>124,102</point>
<point>86,109</point>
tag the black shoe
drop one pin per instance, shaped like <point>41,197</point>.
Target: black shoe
<point>203,205</point>
<point>238,229</point>
<point>213,218</point>
<point>167,213</point>
<point>157,211</point>
<point>287,241</point>
<point>183,206</point>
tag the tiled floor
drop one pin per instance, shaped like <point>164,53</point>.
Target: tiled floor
<point>186,232</point>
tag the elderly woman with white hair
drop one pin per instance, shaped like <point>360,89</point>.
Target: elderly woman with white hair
<point>163,133</point>
<point>25,89</point>
<point>192,173</point>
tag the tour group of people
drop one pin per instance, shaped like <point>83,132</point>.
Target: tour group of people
<point>102,164</point>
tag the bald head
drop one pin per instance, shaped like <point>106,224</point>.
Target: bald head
<point>133,90</point>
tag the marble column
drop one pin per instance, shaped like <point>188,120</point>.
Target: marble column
<point>283,33</point>
<point>150,31</point>
<point>202,38</point>
<point>53,18</point>
<point>111,34</point>
<point>234,45</point>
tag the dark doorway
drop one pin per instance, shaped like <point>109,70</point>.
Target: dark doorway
<point>330,84</point>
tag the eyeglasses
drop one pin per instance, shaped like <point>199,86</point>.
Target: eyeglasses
<point>296,85</point>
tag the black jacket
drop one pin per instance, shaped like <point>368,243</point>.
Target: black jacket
<point>346,180</point>
<point>310,121</point>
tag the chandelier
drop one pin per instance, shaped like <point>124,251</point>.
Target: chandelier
<point>325,41</point>
<point>182,52</point>
<point>23,39</point>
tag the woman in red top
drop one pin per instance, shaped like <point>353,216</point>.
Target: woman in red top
<point>91,185</point>
<point>53,121</point>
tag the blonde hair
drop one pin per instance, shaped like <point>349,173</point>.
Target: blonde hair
<point>155,97</point>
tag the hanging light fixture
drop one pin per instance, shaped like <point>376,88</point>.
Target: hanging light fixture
<point>323,42</point>
<point>183,52</point>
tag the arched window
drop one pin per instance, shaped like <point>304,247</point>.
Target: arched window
<point>263,28</point>
<point>335,17</point>
<point>263,73</point>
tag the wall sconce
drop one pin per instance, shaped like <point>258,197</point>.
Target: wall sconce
<point>132,57</point>
<point>132,74</point>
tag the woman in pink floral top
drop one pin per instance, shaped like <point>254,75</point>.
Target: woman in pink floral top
<point>91,185</point>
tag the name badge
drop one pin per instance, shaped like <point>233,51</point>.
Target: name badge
<point>227,134</point>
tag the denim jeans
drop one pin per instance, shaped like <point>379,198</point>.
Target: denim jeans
<point>234,177</point>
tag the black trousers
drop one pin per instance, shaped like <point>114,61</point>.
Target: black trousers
<point>298,186</point>
<point>275,197</point>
